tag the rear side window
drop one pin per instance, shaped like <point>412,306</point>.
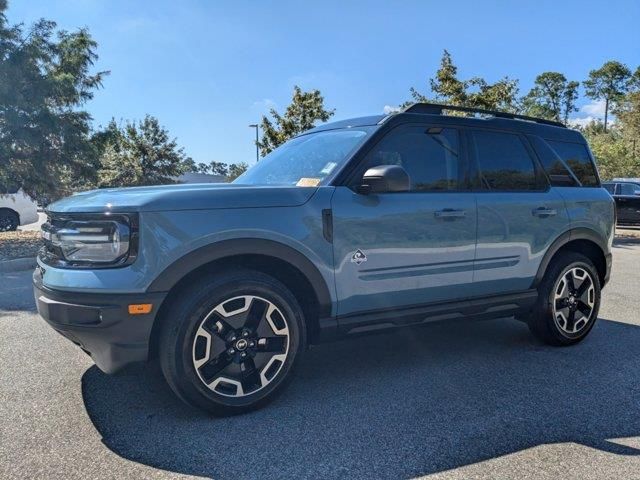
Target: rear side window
<point>504,162</point>
<point>576,157</point>
<point>610,187</point>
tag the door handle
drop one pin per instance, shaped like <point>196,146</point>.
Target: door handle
<point>449,213</point>
<point>544,212</point>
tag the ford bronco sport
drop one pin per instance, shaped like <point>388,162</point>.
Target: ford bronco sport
<point>353,226</point>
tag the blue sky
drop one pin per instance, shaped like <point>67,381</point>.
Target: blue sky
<point>208,69</point>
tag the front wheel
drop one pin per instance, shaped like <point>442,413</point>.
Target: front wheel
<point>9,221</point>
<point>229,344</point>
<point>568,301</point>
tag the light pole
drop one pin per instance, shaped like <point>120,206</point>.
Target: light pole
<point>255,125</point>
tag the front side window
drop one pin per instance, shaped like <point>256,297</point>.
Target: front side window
<point>306,160</point>
<point>503,161</point>
<point>576,157</point>
<point>430,156</point>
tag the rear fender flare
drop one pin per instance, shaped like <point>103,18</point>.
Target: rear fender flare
<point>564,239</point>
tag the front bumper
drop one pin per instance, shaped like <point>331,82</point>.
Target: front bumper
<point>99,323</point>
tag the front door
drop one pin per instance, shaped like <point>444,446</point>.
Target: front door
<point>394,250</point>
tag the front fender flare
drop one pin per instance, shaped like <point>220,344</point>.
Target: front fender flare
<point>175,272</point>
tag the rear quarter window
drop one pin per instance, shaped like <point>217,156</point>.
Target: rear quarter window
<point>577,158</point>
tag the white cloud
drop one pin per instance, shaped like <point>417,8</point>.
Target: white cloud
<point>594,108</point>
<point>591,112</point>
<point>390,109</point>
<point>583,121</point>
<point>265,104</point>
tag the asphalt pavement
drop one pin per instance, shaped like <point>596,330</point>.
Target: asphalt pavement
<point>458,400</point>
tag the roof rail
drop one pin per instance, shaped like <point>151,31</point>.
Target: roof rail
<point>437,109</point>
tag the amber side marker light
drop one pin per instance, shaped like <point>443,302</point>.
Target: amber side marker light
<point>140,308</point>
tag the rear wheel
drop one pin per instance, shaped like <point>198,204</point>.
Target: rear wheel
<point>9,221</point>
<point>229,345</point>
<point>568,301</point>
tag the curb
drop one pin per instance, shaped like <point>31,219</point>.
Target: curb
<point>17,265</point>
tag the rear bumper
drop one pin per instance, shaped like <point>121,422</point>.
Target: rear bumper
<point>99,323</point>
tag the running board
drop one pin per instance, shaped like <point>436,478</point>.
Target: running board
<point>475,308</point>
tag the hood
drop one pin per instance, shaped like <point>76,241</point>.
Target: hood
<point>204,196</point>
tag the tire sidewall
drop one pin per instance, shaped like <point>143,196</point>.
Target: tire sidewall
<point>575,261</point>
<point>184,376</point>
<point>13,218</point>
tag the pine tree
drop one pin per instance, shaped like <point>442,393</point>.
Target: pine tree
<point>305,110</point>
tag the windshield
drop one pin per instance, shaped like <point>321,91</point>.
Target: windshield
<point>307,160</point>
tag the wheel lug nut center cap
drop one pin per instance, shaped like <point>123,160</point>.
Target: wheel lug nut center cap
<point>241,344</point>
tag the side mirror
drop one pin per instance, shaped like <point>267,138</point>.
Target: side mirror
<point>384,179</point>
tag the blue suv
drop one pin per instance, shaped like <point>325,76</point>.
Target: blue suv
<point>354,226</point>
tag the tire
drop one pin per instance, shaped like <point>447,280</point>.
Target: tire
<point>9,221</point>
<point>564,313</point>
<point>230,341</point>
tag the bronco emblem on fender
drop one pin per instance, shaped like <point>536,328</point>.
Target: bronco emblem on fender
<point>358,257</point>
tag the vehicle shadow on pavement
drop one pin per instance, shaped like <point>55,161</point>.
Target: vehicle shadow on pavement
<point>410,403</point>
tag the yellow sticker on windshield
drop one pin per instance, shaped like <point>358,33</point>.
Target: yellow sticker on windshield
<point>308,182</point>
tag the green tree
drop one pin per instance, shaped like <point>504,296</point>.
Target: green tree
<point>634,81</point>
<point>201,168</point>
<point>236,169</point>
<point>219,168</point>
<point>45,78</point>
<point>617,150</point>
<point>552,97</point>
<point>476,92</point>
<point>305,110</point>
<point>613,154</point>
<point>501,95</point>
<point>609,83</point>
<point>628,112</point>
<point>141,153</point>
<point>446,86</point>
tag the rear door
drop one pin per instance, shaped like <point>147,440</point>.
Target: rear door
<point>519,215</point>
<point>411,248</point>
<point>628,202</point>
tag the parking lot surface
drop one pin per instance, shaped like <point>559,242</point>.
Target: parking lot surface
<point>457,400</point>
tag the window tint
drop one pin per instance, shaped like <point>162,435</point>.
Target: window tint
<point>558,172</point>
<point>576,157</point>
<point>429,155</point>
<point>609,187</point>
<point>628,189</point>
<point>504,161</point>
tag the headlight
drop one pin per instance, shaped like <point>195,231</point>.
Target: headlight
<point>89,240</point>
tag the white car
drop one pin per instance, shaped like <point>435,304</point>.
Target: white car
<point>16,209</point>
